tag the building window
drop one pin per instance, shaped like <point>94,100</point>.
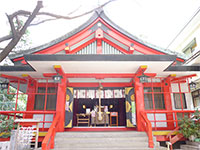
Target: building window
<point>50,97</point>
<point>178,101</point>
<point>190,47</point>
<point>196,98</point>
<point>153,98</point>
<point>148,101</point>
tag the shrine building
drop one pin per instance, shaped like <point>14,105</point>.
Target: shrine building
<point>100,77</point>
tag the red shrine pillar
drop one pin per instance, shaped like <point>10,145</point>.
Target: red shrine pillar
<point>168,102</point>
<point>31,98</point>
<point>60,106</point>
<point>139,97</point>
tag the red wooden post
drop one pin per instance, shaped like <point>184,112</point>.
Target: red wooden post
<point>99,36</point>
<point>60,106</point>
<point>139,96</point>
<point>52,140</point>
<point>168,103</point>
<point>31,98</point>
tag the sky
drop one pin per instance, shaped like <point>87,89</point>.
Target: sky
<point>154,21</point>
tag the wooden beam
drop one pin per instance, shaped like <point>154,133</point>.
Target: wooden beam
<point>49,74</point>
<point>141,70</point>
<point>59,70</point>
<point>27,76</point>
<point>13,78</point>
<point>99,36</point>
<point>99,75</point>
<point>116,46</point>
<point>99,46</point>
<point>82,46</point>
<point>171,76</point>
<point>183,77</point>
<point>97,84</point>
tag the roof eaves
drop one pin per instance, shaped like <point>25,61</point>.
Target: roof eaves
<point>95,57</point>
<point>16,68</point>
<point>60,39</point>
<point>166,51</point>
<point>183,68</point>
<point>98,13</point>
<point>193,57</point>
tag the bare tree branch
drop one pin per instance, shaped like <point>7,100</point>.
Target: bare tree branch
<point>74,10</point>
<point>43,21</point>
<point>16,39</point>
<point>13,30</point>
<point>5,38</point>
<point>19,24</point>
<point>21,13</point>
<point>17,32</point>
<point>73,17</point>
<point>31,17</point>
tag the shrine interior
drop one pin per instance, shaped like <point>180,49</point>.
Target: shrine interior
<point>109,105</point>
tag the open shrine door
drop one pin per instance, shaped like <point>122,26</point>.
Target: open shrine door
<point>130,107</point>
<point>69,107</point>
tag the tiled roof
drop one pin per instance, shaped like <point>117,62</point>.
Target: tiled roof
<point>99,13</point>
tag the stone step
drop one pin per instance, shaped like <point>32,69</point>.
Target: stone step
<point>101,139</point>
<point>100,144</point>
<point>193,143</point>
<point>130,140</point>
<point>130,148</point>
<point>104,145</point>
<point>100,134</point>
<point>189,147</point>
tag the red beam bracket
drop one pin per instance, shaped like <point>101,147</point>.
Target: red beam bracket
<point>183,77</point>
<point>131,48</point>
<point>59,70</point>
<point>141,70</point>
<point>13,78</point>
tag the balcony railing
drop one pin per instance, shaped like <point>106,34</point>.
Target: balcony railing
<point>46,117</point>
<point>48,142</point>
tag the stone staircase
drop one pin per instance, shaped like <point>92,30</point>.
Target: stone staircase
<point>191,146</point>
<point>129,140</point>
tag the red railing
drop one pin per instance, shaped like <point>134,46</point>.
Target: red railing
<point>170,122</point>
<point>147,128</point>
<point>48,142</point>
<point>23,114</point>
<point>174,139</point>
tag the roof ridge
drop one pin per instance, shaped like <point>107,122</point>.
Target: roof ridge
<point>98,13</point>
<point>133,37</point>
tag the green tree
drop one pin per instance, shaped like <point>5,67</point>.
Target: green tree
<point>7,103</point>
<point>190,126</point>
<point>7,100</point>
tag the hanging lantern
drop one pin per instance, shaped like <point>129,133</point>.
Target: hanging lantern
<point>192,85</point>
<point>4,85</point>
<point>57,78</point>
<point>143,78</point>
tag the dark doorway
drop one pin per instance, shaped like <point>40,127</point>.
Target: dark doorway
<point>114,105</point>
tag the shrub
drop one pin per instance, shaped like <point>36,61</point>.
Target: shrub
<point>190,126</point>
